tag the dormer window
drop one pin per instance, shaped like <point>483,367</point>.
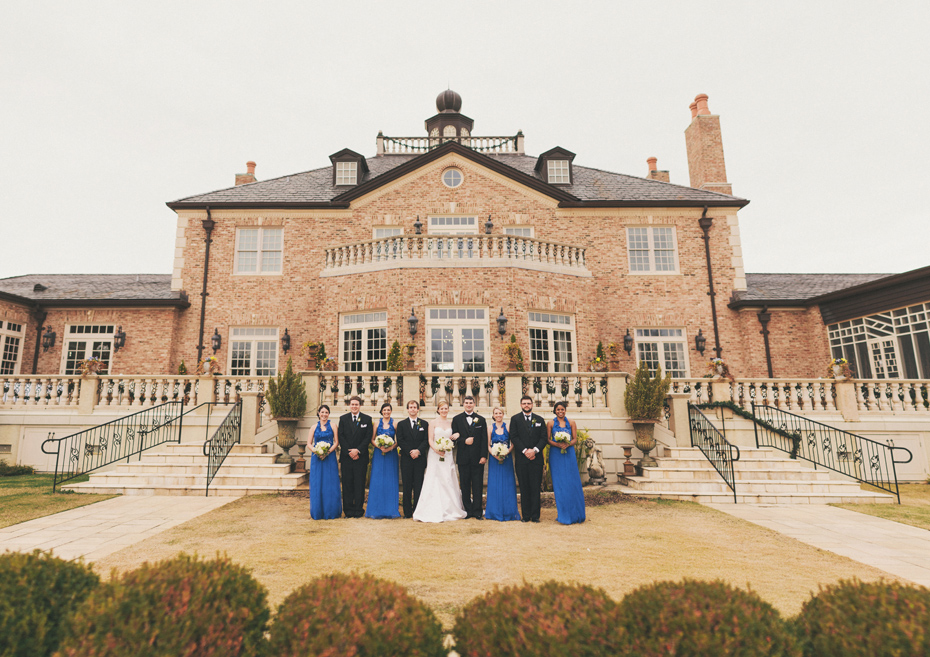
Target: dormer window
<point>349,168</point>
<point>346,173</point>
<point>555,166</point>
<point>558,172</point>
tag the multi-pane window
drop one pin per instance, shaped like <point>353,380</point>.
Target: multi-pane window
<point>663,347</point>
<point>84,341</point>
<point>458,339</point>
<point>551,342</point>
<point>387,231</point>
<point>346,173</point>
<point>253,351</point>
<point>258,250</point>
<point>364,342</point>
<point>453,225</point>
<point>558,172</point>
<point>652,249</point>
<point>11,342</point>
<point>888,345</point>
<point>519,231</point>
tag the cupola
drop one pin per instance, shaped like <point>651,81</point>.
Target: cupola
<point>449,122</point>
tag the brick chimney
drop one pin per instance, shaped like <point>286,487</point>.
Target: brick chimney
<point>705,149</point>
<point>249,177</point>
<point>654,173</point>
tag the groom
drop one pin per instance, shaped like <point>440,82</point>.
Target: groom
<point>355,433</point>
<point>472,453</point>
<point>413,445</point>
<point>528,435</point>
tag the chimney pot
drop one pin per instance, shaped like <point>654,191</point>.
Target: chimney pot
<point>653,163</point>
<point>250,167</point>
<point>701,100</point>
<point>693,107</point>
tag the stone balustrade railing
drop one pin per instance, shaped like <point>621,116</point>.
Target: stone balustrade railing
<point>412,251</point>
<point>418,145</point>
<point>38,391</point>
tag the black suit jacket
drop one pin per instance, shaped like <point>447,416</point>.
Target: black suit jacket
<point>409,439</point>
<point>354,437</point>
<point>527,435</point>
<point>478,429</point>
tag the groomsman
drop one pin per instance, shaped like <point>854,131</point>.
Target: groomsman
<point>413,445</point>
<point>355,434</point>
<point>528,435</point>
<point>470,432</point>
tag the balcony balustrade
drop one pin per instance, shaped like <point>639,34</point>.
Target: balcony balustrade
<point>418,145</point>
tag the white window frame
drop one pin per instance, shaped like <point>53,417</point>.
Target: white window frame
<point>386,232</point>
<point>88,333</point>
<point>260,252</point>
<point>864,342</point>
<point>456,319</point>
<point>10,331</point>
<point>346,173</point>
<point>651,270</point>
<point>253,335</point>
<point>368,323</point>
<point>520,231</point>
<point>543,320</point>
<point>558,172</point>
<point>661,336</point>
<point>452,224</point>
<point>452,170</point>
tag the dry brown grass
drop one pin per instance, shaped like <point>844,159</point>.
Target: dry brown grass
<point>619,548</point>
<point>27,497</point>
<point>913,510</point>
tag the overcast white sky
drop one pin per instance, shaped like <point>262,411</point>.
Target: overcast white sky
<point>110,109</point>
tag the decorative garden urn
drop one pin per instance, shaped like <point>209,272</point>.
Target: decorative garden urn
<point>838,373</point>
<point>287,437</point>
<point>645,441</point>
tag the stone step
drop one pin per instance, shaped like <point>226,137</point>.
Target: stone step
<point>743,462</point>
<point>700,474</point>
<point>190,480</point>
<point>197,448</point>
<point>862,497</point>
<point>215,490</point>
<point>191,459</point>
<point>745,453</point>
<point>752,486</point>
<point>269,468</point>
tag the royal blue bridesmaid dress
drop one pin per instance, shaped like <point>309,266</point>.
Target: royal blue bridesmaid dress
<point>502,484</point>
<point>384,485</point>
<point>566,482</point>
<point>325,491</point>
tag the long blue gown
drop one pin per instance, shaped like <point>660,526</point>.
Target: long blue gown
<point>502,485</point>
<point>325,491</point>
<point>566,482</point>
<point>384,486</point>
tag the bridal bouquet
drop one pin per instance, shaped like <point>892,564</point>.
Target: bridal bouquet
<point>563,438</point>
<point>383,440</point>
<point>321,449</point>
<point>443,444</point>
<point>499,451</point>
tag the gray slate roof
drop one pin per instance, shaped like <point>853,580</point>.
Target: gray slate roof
<point>797,287</point>
<point>90,286</point>
<point>589,185</point>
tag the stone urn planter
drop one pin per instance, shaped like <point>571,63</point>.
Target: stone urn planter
<point>838,373</point>
<point>410,364</point>
<point>311,363</point>
<point>645,440</point>
<point>287,438</point>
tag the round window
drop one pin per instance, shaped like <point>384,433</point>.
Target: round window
<point>452,177</point>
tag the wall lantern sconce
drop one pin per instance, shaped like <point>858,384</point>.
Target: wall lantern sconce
<point>418,226</point>
<point>488,226</point>
<point>119,339</point>
<point>286,342</point>
<point>700,342</point>
<point>412,322</point>
<point>628,342</point>
<point>48,338</point>
<point>216,340</point>
<point>501,323</point>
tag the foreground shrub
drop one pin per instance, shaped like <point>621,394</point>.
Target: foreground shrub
<point>854,618</point>
<point>182,607</point>
<point>701,618</point>
<point>548,620</point>
<point>7,470</point>
<point>37,592</point>
<point>354,615</point>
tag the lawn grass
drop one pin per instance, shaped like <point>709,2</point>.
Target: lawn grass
<point>27,497</point>
<point>621,547</point>
<point>913,510</point>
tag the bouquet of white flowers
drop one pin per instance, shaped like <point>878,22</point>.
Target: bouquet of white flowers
<point>563,438</point>
<point>443,444</point>
<point>383,440</point>
<point>321,448</point>
<point>499,451</point>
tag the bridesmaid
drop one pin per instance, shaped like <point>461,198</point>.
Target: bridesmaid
<point>325,492</point>
<point>502,485</point>
<point>566,482</point>
<point>384,486</point>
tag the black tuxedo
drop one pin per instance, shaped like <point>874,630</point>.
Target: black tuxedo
<point>527,435</point>
<point>468,459</point>
<point>354,436</point>
<point>412,470</point>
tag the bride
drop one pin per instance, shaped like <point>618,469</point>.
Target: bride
<point>441,496</point>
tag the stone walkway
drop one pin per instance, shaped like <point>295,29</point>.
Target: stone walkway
<point>898,549</point>
<point>99,529</point>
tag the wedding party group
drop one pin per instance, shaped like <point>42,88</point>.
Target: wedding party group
<point>441,464</point>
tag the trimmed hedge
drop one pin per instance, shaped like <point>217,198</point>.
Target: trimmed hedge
<point>874,619</point>
<point>548,620</point>
<point>37,592</point>
<point>357,615</point>
<point>178,607</point>
<point>7,470</point>
<point>701,618</point>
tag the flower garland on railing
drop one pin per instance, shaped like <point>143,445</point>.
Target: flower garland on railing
<point>91,365</point>
<point>845,372</point>
<point>208,365</point>
<point>794,436</point>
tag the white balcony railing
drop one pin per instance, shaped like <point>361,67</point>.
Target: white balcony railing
<point>418,145</point>
<point>39,391</point>
<point>406,252</point>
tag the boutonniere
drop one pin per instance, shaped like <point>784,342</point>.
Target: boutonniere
<point>537,424</point>
<point>363,426</point>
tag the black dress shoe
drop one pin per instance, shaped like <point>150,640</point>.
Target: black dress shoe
<point>535,519</point>
<point>479,517</point>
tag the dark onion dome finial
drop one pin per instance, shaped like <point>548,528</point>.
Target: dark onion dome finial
<point>448,101</point>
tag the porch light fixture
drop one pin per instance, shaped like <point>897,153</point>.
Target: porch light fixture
<point>412,321</point>
<point>48,338</point>
<point>501,321</point>
<point>286,342</point>
<point>628,342</point>
<point>418,226</point>
<point>216,340</point>
<point>119,339</point>
<point>488,226</point>
<point>700,342</point>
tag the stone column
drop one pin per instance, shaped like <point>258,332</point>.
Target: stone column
<point>616,391</point>
<point>679,423</point>
<point>311,381</point>
<point>249,416</point>
<point>87,396</point>
<point>846,400</point>
<point>513,389</point>
<point>205,392</point>
<point>411,389</point>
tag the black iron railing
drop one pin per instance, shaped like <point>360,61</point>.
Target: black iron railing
<point>113,441</point>
<point>714,446</point>
<point>863,459</point>
<point>217,447</point>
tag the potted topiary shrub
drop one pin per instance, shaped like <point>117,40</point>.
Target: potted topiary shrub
<point>287,401</point>
<point>644,400</point>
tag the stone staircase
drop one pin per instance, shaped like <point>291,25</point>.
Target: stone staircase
<point>181,469</point>
<point>763,476</point>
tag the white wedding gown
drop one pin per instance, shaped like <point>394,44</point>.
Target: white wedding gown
<point>441,496</point>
